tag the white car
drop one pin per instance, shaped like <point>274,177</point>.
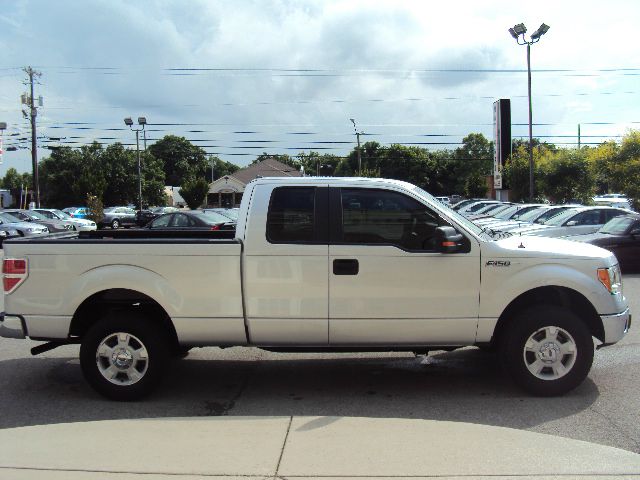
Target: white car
<point>81,224</point>
<point>574,221</point>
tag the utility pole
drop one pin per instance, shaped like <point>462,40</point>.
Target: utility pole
<point>578,136</point>
<point>30,101</point>
<point>355,128</point>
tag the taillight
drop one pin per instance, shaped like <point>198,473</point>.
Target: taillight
<point>14,272</point>
<point>215,227</point>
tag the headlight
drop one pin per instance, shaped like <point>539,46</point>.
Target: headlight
<point>611,278</point>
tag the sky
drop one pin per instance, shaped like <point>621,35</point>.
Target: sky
<point>243,77</point>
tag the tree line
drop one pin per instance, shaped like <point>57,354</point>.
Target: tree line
<point>69,175</point>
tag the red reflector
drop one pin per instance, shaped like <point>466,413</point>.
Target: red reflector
<point>448,244</point>
<point>215,227</point>
<point>14,266</point>
<point>10,283</point>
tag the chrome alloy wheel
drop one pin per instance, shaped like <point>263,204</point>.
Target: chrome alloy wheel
<point>122,358</point>
<point>550,353</point>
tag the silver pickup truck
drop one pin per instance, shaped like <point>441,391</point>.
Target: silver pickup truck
<point>318,264</point>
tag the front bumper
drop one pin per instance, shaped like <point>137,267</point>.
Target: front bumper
<point>12,326</point>
<point>615,326</point>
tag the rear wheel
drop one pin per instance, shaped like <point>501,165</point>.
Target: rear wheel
<point>124,356</point>
<point>115,224</point>
<point>547,350</point>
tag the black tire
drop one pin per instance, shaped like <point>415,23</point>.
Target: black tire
<point>115,224</point>
<point>561,364</point>
<point>182,352</point>
<point>143,333</point>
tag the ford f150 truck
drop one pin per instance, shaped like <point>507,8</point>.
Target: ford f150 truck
<point>318,264</point>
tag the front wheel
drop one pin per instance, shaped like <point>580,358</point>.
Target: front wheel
<point>124,356</point>
<point>547,350</point>
<point>115,224</point>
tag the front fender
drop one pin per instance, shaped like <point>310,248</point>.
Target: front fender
<point>500,287</point>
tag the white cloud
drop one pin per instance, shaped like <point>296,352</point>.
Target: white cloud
<point>365,50</point>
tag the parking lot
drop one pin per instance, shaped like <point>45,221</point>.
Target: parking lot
<point>463,386</point>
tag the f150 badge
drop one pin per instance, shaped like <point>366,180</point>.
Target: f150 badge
<point>497,263</point>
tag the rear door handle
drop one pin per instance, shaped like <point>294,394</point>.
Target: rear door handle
<point>346,267</point>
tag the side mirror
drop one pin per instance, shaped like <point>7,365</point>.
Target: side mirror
<point>448,240</point>
<point>635,232</point>
<point>572,223</point>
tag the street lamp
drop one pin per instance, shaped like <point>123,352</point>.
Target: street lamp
<point>129,123</point>
<point>517,32</point>
<point>355,129</point>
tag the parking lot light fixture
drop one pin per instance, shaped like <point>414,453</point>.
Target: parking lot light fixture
<point>517,32</point>
<point>142,121</point>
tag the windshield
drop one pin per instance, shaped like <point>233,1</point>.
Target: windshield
<point>507,212</point>
<point>465,222</point>
<point>37,215</point>
<point>559,219</point>
<point>212,217</point>
<point>618,225</point>
<point>61,214</point>
<point>10,217</point>
<point>524,210</point>
<point>532,215</point>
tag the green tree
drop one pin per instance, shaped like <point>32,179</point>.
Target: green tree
<point>181,159</point>
<point>314,163</point>
<point>194,192</point>
<point>222,168</point>
<point>96,209</point>
<point>13,180</point>
<point>111,174</point>
<point>628,167</point>
<point>566,176</point>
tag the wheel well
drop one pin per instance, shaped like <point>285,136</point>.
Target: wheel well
<point>552,295</point>
<point>96,306</point>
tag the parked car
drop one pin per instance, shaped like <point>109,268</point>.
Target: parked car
<point>542,214</point>
<point>231,213</point>
<point>24,229</point>
<point>145,216</point>
<point>116,217</point>
<point>77,212</point>
<point>613,200</point>
<point>574,221</point>
<point>192,219</point>
<point>620,235</point>
<point>81,224</point>
<point>54,226</point>
<point>473,207</point>
<point>7,231</point>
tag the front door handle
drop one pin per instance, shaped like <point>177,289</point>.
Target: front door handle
<point>346,267</point>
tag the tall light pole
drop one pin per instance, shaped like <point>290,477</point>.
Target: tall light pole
<point>355,129</point>
<point>129,123</point>
<point>518,32</point>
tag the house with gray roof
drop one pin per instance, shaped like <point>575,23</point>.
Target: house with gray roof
<point>227,191</point>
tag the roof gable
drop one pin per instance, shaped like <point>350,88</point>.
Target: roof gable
<point>266,168</point>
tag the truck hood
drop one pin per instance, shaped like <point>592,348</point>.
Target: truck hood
<point>526,246</point>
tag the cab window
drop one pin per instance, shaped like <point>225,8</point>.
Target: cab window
<point>291,216</point>
<point>371,216</point>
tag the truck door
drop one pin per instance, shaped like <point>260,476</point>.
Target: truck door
<point>286,273</point>
<point>387,284</point>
